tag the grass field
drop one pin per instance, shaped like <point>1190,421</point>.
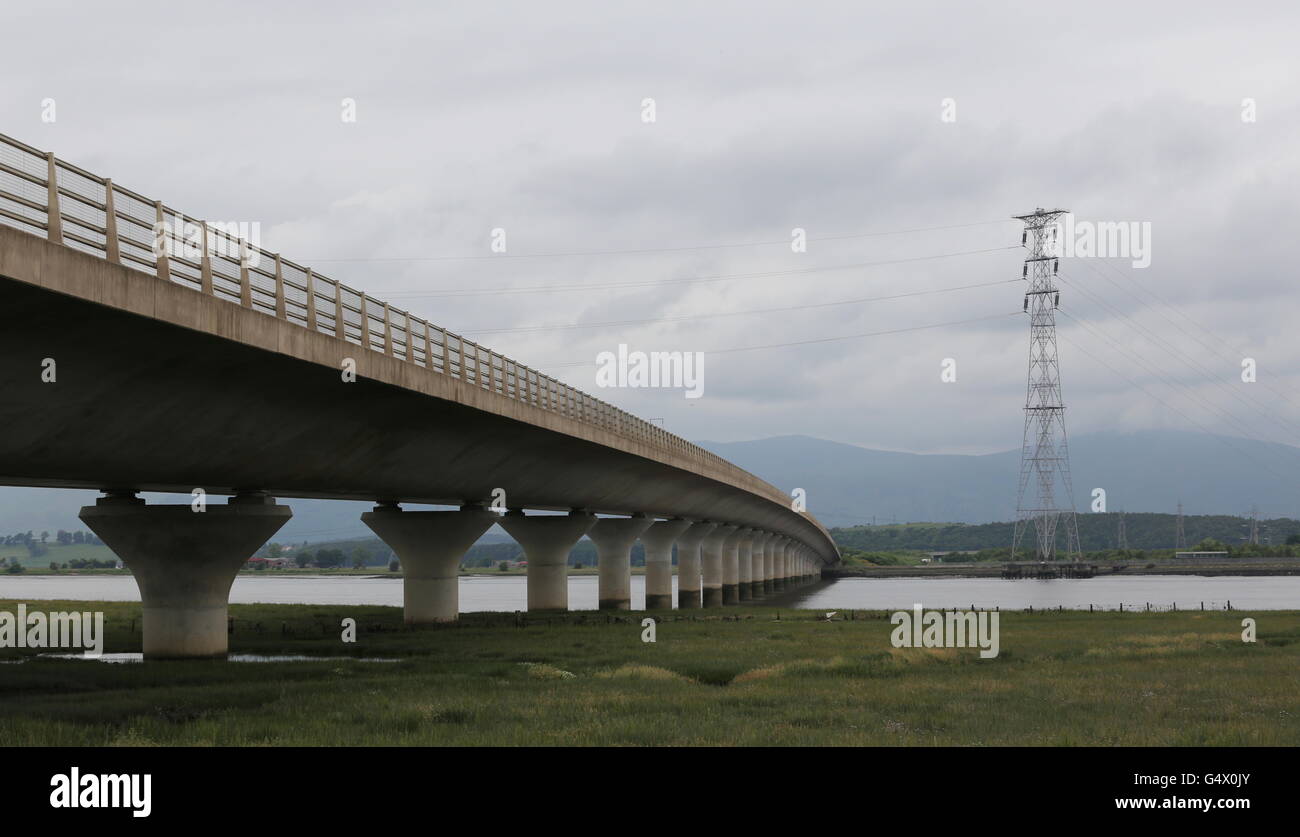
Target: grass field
<point>742,677</point>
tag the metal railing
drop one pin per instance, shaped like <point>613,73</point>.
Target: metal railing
<point>43,195</point>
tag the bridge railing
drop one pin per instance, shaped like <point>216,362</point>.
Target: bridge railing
<point>43,195</point>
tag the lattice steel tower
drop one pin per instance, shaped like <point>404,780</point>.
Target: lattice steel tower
<point>1044,456</point>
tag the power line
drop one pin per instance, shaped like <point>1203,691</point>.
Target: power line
<point>683,317</point>
<point>814,340</point>
<point>650,250</point>
<point>723,277</point>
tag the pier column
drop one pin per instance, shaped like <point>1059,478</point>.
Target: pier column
<point>658,542</point>
<point>711,558</point>
<point>778,580</point>
<point>184,562</point>
<point>688,564</point>
<point>769,564</point>
<point>731,567</point>
<point>758,555</point>
<point>613,537</point>
<point>547,540</point>
<point>745,566</point>
<point>430,546</point>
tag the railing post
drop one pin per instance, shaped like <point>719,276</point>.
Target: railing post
<point>281,313</point>
<point>205,263</point>
<point>112,246</point>
<point>388,331</point>
<point>428,346</point>
<point>460,347</point>
<point>160,239</point>
<point>410,341</point>
<point>245,279</point>
<point>53,214</point>
<point>340,318</point>
<point>365,323</point>
<point>311,301</point>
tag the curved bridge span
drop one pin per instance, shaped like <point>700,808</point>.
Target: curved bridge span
<point>139,357</point>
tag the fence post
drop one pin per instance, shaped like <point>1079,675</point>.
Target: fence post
<point>340,319</point>
<point>388,331</point>
<point>311,301</point>
<point>205,263</point>
<point>365,323</point>
<point>160,239</point>
<point>280,312</point>
<point>245,280</point>
<point>112,246</point>
<point>428,346</point>
<point>410,340</point>
<point>53,213</point>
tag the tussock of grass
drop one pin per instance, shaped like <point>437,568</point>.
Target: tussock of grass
<point>642,672</point>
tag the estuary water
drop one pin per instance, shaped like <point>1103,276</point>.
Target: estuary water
<point>509,593</point>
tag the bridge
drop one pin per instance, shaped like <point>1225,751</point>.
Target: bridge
<point>143,350</point>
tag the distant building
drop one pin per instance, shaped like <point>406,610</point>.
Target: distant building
<point>1201,556</point>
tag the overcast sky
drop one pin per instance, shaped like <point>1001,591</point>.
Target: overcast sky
<point>768,117</point>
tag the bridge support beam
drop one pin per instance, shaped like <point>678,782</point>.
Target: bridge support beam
<point>688,564</point>
<point>712,553</point>
<point>547,541</point>
<point>184,562</point>
<point>658,541</point>
<point>613,537</point>
<point>745,566</point>
<point>731,567</point>
<point>430,546</point>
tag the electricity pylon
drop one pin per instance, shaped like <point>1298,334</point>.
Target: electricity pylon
<point>1180,537</point>
<point>1044,455</point>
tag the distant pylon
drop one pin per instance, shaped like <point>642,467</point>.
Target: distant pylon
<point>1121,539</point>
<point>1180,537</point>
<point>1044,454</point>
<point>1254,525</point>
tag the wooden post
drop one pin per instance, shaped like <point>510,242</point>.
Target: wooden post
<point>112,245</point>
<point>53,213</point>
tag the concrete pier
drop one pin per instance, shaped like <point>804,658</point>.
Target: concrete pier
<point>184,562</point>
<point>745,566</point>
<point>758,555</point>
<point>658,541</point>
<point>731,567</point>
<point>712,553</point>
<point>547,540</point>
<point>613,537</point>
<point>430,546</point>
<point>688,564</point>
<point>778,563</point>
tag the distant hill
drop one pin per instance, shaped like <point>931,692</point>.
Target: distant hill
<point>1148,471</point>
<point>1096,532</point>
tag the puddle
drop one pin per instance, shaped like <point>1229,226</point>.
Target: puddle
<point>138,657</point>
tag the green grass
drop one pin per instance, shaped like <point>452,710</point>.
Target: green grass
<point>715,678</point>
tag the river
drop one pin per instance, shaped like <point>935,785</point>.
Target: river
<point>509,593</point>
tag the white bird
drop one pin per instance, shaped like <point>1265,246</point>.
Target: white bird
<point>831,614</point>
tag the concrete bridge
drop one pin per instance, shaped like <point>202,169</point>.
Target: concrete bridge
<point>144,351</point>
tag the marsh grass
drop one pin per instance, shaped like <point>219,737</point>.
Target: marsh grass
<point>1063,678</point>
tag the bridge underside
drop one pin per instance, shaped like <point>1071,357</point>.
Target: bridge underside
<point>144,404</point>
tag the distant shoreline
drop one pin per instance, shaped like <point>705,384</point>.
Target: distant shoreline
<point>994,570</point>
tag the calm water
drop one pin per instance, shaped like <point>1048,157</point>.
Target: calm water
<point>509,593</point>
